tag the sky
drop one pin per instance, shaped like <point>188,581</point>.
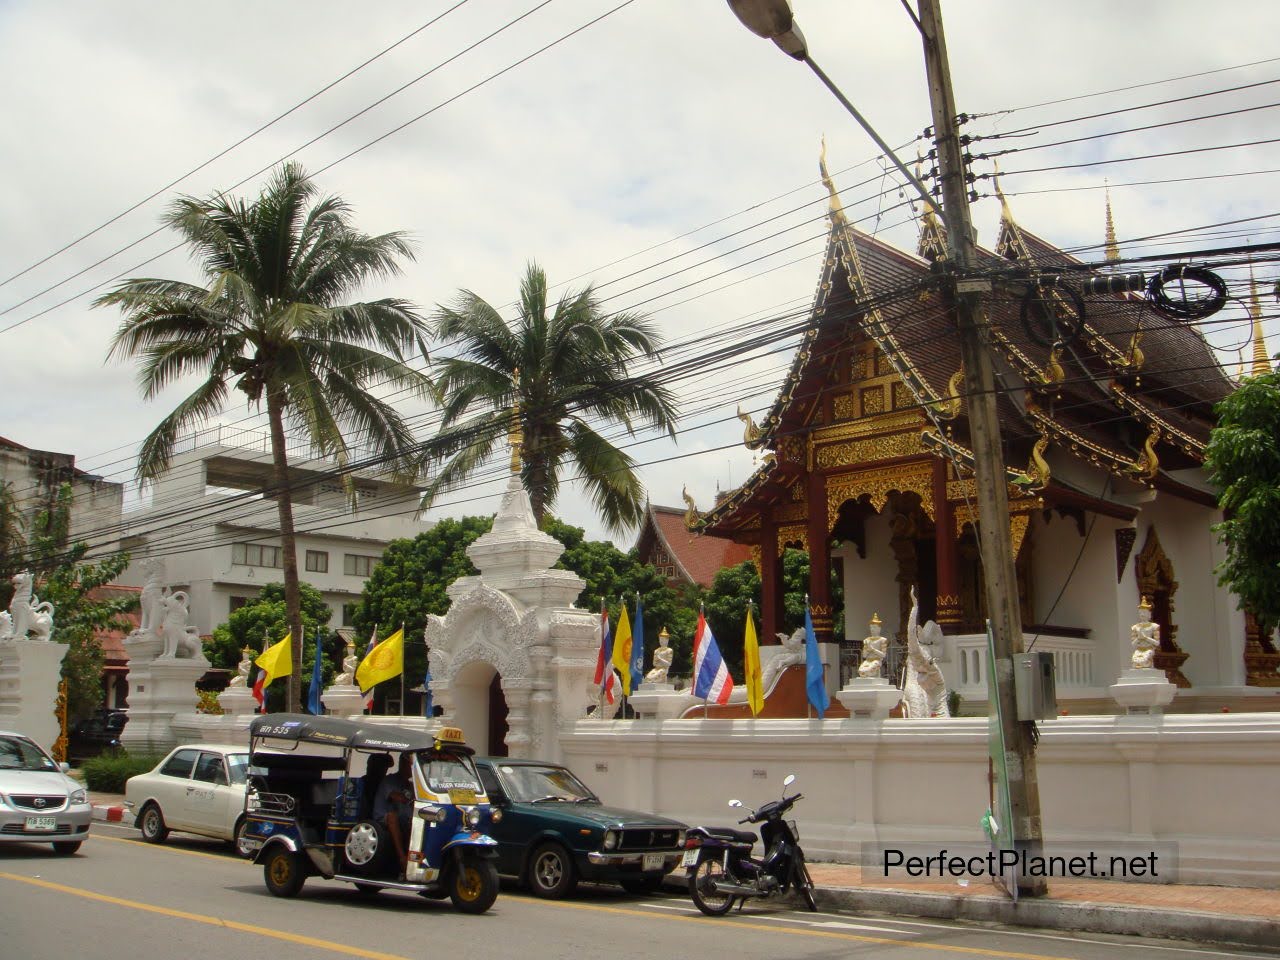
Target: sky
<point>662,153</point>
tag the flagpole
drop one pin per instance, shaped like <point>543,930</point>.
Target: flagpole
<point>402,668</point>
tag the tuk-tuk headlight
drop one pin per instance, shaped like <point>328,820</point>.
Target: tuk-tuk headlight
<point>473,817</point>
<point>610,839</point>
<point>251,801</point>
<point>432,812</point>
<point>495,814</point>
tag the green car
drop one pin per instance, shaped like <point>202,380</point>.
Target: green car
<point>554,831</point>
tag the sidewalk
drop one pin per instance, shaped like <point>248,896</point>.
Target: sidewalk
<point>108,807</point>
<point>1238,915</point>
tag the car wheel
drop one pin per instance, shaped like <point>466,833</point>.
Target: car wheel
<point>473,885</point>
<point>66,848</point>
<point>283,872</point>
<point>642,883</point>
<point>151,823</point>
<point>551,872</point>
<point>243,847</point>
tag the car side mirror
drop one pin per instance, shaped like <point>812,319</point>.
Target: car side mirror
<point>64,767</point>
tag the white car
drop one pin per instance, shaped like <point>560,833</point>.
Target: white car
<point>198,788</point>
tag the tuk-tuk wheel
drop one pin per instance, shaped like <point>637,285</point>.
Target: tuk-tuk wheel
<point>473,885</point>
<point>283,872</point>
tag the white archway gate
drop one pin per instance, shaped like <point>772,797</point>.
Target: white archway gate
<point>516,619</point>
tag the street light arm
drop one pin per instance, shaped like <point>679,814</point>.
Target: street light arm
<point>884,147</point>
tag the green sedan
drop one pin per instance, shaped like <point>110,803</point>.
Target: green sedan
<point>555,832</point>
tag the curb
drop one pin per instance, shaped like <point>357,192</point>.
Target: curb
<point>1063,915</point>
<point>113,813</point>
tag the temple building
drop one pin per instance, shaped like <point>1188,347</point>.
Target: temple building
<point>681,556</point>
<point>867,464</point>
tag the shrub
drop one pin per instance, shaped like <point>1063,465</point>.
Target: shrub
<point>208,702</point>
<point>108,771</point>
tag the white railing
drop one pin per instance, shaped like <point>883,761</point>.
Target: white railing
<point>259,441</point>
<point>1072,661</point>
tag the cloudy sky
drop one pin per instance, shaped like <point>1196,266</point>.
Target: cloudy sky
<point>662,153</point>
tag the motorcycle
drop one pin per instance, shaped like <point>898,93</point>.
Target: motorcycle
<point>721,869</point>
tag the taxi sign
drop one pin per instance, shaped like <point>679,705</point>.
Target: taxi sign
<point>450,735</point>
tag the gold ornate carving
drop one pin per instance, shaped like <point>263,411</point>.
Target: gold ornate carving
<point>855,452</point>
<point>902,396</point>
<point>1053,372</point>
<point>949,407</point>
<point>793,533</point>
<point>792,512</point>
<point>791,449</point>
<point>872,400</point>
<point>60,711</point>
<point>1154,572</point>
<point>752,435</point>
<point>691,516</point>
<point>756,561</point>
<point>1037,466</point>
<point>1147,466</point>
<point>878,484</point>
<point>1018,523</point>
<point>888,423</point>
<point>884,366</point>
<point>844,407</point>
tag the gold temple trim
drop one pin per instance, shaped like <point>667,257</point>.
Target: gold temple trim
<point>878,484</point>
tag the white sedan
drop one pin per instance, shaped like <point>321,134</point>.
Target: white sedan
<point>198,788</point>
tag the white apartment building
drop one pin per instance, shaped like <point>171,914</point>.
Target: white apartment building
<point>220,538</point>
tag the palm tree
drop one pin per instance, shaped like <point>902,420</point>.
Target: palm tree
<point>271,323</point>
<point>549,374</point>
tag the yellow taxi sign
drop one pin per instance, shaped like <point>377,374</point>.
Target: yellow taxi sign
<point>450,735</point>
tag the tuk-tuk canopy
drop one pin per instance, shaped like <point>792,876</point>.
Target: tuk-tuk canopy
<point>354,735</point>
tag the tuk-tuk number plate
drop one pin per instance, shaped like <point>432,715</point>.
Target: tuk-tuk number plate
<point>460,796</point>
<point>42,823</point>
<point>690,857</point>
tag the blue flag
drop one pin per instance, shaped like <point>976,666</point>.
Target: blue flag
<point>637,647</point>
<point>814,682</point>
<point>317,679</point>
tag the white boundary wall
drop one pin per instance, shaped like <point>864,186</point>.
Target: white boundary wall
<point>1205,782</point>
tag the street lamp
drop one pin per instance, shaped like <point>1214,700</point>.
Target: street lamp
<point>773,20</point>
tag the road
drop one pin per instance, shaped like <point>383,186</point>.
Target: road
<point>190,898</point>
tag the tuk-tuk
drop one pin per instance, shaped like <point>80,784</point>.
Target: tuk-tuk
<point>309,809</point>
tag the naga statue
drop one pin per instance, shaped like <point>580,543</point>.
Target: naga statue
<point>924,689</point>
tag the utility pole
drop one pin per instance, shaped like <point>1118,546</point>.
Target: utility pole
<point>984,428</point>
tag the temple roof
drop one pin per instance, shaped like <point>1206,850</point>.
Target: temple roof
<point>696,557</point>
<point>1131,396</point>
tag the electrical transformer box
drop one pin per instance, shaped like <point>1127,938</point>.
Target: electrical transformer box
<point>1034,690</point>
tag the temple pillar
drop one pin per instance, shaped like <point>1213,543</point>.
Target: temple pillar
<point>819,559</point>
<point>946,565</point>
<point>770,582</point>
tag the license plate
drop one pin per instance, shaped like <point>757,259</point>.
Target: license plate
<point>459,795</point>
<point>653,861</point>
<point>42,823</point>
<point>690,858</point>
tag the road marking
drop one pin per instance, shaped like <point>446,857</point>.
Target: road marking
<point>828,924</point>
<point>804,932</point>
<point>305,941</point>
<point>162,846</point>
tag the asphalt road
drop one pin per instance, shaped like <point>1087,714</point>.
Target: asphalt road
<point>191,898</point>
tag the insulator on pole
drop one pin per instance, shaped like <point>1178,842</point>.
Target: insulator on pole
<point>1114,283</point>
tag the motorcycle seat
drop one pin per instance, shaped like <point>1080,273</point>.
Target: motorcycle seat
<point>731,834</point>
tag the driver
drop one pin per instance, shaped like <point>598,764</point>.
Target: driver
<point>393,807</point>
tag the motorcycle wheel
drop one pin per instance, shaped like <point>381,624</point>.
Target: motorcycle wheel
<point>702,891</point>
<point>804,883</point>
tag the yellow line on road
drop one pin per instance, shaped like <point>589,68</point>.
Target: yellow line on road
<point>167,848</point>
<point>795,931</point>
<point>201,918</point>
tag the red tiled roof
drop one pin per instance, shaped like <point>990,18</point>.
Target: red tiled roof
<point>699,556</point>
<point>112,641</point>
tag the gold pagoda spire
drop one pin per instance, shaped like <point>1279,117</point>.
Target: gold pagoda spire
<point>1261,359</point>
<point>837,208</point>
<point>515,436</point>
<point>1112,247</point>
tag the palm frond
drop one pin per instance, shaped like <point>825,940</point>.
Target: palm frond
<point>157,450</point>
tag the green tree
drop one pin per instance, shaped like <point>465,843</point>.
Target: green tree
<point>80,608</point>
<point>1243,457</point>
<point>271,323</point>
<point>409,583</point>
<point>550,374</point>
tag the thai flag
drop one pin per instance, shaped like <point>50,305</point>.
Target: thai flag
<point>368,694</point>
<point>711,680</point>
<point>604,659</point>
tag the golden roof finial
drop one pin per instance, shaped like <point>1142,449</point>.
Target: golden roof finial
<point>933,235</point>
<point>837,208</point>
<point>1005,213</point>
<point>1261,359</point>
<point>1112,247</point>
<point>515,436</point>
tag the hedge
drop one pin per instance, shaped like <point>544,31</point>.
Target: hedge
<point>107,772</point>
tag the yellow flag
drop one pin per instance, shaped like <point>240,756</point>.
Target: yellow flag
<point>277,660</point>
<point>751,666</point>
<point>622,649</point>
<point>383,662</point>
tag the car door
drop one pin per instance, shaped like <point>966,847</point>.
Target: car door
<point>171,786</point>
<point>509,831</point>
<point>209,797</point>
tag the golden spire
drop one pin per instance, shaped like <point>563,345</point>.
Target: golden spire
<point>837,208</point>
<point>1261,359</point>
<point>515,436</point>
<point>1006,215</point>
<point>1112,247</point>
<point>933,235</point>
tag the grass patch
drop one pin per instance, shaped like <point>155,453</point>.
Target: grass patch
<point>108,771</point>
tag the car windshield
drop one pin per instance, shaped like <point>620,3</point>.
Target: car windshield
<point>238,766</point>
<point>19,754</point>
<point>448,771</point>
<point>530,784</point>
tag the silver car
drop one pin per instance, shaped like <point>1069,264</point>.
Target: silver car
<point>39,803</point>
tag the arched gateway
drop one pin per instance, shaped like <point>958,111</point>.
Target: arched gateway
<point>513,633</point>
